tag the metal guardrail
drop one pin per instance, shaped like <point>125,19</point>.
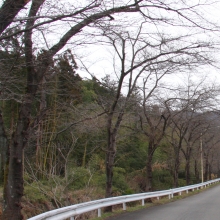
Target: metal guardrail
<point>74,210</point>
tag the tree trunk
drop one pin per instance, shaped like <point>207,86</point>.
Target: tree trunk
<point>187,171</point>
<point>176,172</point>
<point>3,150</point>
<point>196,171</point>
<point>110,157</point>
<point>210,172</point>
<point>112,132</point>
<point>206,168</point>
<point>149,177</point>
<point>14,188</point>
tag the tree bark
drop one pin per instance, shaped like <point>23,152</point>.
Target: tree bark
<point>210,172</point>
<point>110,158</point>
<point>196,171</point>
<point>176,171</point>
<point>14,188</point>
<point>206,173</point>
<point>187,166</point>
<point>149,177</point>
<point>187,172</point>
<point>3,150</point>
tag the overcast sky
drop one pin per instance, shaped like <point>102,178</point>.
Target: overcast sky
<point>99,59</point>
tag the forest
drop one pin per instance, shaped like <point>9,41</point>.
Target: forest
<point>104,98</point>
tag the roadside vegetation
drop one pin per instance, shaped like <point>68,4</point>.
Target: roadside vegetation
<point>102,98</point>
<point>68,166</point>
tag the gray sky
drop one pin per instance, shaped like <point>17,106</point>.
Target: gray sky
<point>99,59</point>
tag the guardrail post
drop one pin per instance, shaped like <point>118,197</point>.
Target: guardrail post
<point>187,191</point>
<point>158,198</point>
<point>124,206</point>
<point>180,193</point>
<point>99,212</point>
<point>72,218</point>
<point>171,194</point>
<point>142,202</point>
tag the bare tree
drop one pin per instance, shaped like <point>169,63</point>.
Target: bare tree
<point>36,69</point>
<point>209,145</point>
<point>136,57</point>
<point>8,11</point>
<point>188,121</point>
<point>154,120</point>
<point>91,14</point>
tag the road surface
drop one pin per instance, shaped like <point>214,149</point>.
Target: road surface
<point>202,206</point>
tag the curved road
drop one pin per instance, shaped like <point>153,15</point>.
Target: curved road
<point>202,206</point>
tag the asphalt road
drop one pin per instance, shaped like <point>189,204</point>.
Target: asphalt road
<point>202,206</point>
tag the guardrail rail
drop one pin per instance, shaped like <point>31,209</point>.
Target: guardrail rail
<point>74,210</point>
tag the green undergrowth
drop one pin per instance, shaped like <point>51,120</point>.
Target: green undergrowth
<point>154,202</point>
